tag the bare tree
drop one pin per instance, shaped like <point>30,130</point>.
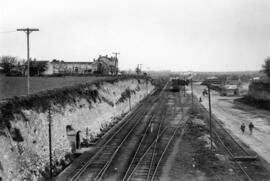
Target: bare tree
<point>7,62</point>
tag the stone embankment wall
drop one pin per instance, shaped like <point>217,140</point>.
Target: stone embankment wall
<point>85,110</point>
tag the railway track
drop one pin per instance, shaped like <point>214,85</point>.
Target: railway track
<point>148,166</point>
<point>149,138</point>
<point>148,159</point>
<point>233,150</point>
<point>98,163</point>
<point>240,150</point>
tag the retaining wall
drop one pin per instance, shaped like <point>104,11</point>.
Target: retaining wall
<point>85,110</point>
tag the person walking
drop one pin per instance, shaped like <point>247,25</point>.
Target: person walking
<point>243,127</point>
<point>251,126</point>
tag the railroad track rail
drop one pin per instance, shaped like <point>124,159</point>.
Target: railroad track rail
<point>148,159</point>
<point>149,138</point>
<point>148,165</point>
<point>98,163</point>
<point>100,158</point>
<point>231,150</point>
<point>242,151</point>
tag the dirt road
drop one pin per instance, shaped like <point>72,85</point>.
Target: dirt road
<point>233,114</point>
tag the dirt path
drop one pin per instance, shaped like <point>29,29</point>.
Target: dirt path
<point>233,114</point>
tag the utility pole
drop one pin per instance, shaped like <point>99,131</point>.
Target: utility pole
<point>184,86</point>
<point>116,62</point>
<point>147,84</point>
<point>210,116</point>
<point>191,84</point>
<point>50,138</point>
<point>140,67</point>
<point>28,31</point>
<point>129,95</point>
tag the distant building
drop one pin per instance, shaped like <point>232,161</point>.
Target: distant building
<point>225,87</point>
<point>256,79</point>
<point>106,65</point>
<point>61,67</point>
<point>214,81</point>
<point>229,90</point>
<point>103,65</point>
<point>18,70</point>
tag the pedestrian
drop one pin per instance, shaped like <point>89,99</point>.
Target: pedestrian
<point>200,99</point>
<point>243,126</point>
<point>204,92</point>
<point>152,128</point>
<point>251,126</point>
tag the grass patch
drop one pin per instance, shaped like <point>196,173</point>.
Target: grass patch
<point>41,101</point>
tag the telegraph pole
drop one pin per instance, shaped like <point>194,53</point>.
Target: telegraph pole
<point>184,86</point>
<point>129,95</point>
<point>50,138</point>
<point>191,84</point>
<point>147,84</point>
<point>28,31</point>
<point>140,67</point>
<point>210,116</point>
<point>116,62</point>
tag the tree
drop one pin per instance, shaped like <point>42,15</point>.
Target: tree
<point>7,62</point>
<point>266,67</point>
<point>138,71</point>
<point>37,67</point>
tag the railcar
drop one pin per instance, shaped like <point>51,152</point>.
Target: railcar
<point>174,84</point>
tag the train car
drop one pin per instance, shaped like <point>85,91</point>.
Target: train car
<point>174,84</point>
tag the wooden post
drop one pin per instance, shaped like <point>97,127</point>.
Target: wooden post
<point>184,86</point>
<point>191,84</point>
<point>50,140</point>
<point>147,85</point>
<point>28,31</point>
<point>129,104</point>
<point>210,116</point>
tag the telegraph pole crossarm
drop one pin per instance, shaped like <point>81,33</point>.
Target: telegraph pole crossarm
<point>28,31</point>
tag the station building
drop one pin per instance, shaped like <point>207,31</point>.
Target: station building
<point>103,65</point>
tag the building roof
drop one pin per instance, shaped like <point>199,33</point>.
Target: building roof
<point>63,62</point>
<point>77,62</point>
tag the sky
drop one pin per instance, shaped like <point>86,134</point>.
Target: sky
<point>177,35</point>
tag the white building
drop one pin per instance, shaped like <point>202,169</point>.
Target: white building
<point>61,67</point>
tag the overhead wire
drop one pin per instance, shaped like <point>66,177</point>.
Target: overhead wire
<point>4,32</point>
